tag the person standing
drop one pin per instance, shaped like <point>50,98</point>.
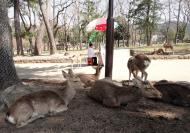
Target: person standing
<point>91,55</point>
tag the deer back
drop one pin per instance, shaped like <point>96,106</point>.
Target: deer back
<point>36,104</point>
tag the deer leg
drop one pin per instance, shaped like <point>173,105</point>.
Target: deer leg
<point>34,117</point>
<point>129,75</point>
<point>146,74</point>
<point>142,75</point>
<point>134,74</point>
<point>59,109</point>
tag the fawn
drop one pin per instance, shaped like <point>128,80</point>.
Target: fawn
<point>39,104</point>
<point>112,95</point>
<point>88,79</point>
<point>138,63</point>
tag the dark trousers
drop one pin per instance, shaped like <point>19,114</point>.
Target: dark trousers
<point>94,61</point>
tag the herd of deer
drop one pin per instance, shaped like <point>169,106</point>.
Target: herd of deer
<point>39,104</point>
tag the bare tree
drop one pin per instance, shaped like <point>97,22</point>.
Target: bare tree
<point>39,39</point>
<point>178,20</point>
<point>17,28</point>
<point>125,14</point>
<point>31,27</point>
<point>169,19</point>
<point>44,8</point>
<point>63,7</point>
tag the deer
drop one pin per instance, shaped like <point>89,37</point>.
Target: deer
<point>138,63</point>
<point>88,79</point>
<point>112,95</point>
<point>168,45</point>
<point>38,104</point>
<point>176,93</point>
<point>158,52</point>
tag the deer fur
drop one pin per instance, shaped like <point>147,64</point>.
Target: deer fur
<point>112,95</point>
<point>39,104</point>
<point>138,63</point>
<point>33,106</point>
<point>160,51</point>
<point>168,46</point>
<point>88,79</point>
<point>177,93</point>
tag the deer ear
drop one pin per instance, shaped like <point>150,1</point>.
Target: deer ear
<point>65,75</point>
<point>70,72</point>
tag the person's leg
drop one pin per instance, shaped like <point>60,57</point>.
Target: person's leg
<point>90,61</point>
<point>94,60</point>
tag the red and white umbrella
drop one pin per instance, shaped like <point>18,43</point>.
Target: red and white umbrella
<point>99,24</point>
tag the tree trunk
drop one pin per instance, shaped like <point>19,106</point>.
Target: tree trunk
<point>169,21</point>
<point>39,39</point>
<point>148,26</point>
<point>8,75</point>
<point>44,11</point>
<point>128,26</point>
<point>17,28</point>
<point>178,17</point>
<point>117,43</point>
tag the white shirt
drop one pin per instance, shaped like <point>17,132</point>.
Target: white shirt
<point>91,52</point>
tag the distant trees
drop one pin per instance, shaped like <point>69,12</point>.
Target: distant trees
<point>139,20</point>
<point>121,32</point>
<point>145,13</point>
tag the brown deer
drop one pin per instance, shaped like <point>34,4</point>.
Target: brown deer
<point>168,45</point>
<point>88,79</point>
<point>177,93</point>
<point>39,104</point>
<point>113,95</point>
<point>160,51</point>
<point>138,63</point>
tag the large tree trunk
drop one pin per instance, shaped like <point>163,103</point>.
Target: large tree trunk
<point>8,75</point>
<point>17,28</point>
<point>39,39</point>
<point>43,8</point>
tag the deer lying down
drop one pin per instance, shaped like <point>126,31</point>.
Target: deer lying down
<point>33,106</point>
<point>112,95</point>
<point>138,63</point>
<point>88,79</point>
<point>39,104</point>
<point>177,93</point>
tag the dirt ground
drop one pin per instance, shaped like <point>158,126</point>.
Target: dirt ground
<point>87,116</point>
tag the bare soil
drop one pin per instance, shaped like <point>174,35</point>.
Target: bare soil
<point>87,116</point>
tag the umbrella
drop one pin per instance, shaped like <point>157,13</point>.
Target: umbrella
<point>99,24</point>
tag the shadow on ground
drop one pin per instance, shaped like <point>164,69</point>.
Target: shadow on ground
<point>87,116</point>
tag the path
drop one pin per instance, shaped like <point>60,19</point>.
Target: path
<point>176,70</point>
